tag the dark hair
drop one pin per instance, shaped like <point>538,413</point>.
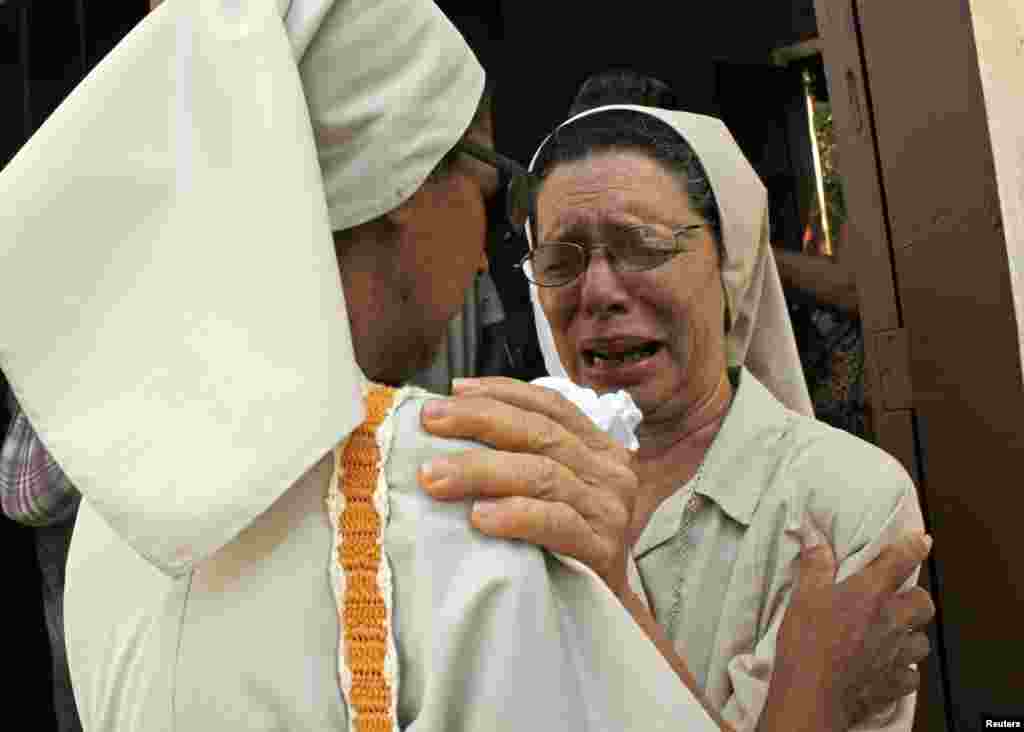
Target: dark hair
<point>630,130</point>
<point>615,84</point>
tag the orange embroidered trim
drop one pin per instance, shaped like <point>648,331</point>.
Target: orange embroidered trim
<point>364,615</point>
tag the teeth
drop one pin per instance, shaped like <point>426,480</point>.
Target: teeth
<point>600,359</point>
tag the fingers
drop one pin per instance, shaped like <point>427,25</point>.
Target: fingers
<point>915,648</point>
<point>540,400</point>
<point>554,526</point>
<point>511,429</point>
<point>903,680</point>
<point>500,425</point>
<point>911,609</point>
<point>895,684</point>
<point>893,567</point>
<point>493,474</point>
<point>556,479</point>
<point>537,481</point>
<point>816,566</point>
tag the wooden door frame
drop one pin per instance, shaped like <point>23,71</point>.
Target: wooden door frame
<point>867,252</point>
<point>935,288</point>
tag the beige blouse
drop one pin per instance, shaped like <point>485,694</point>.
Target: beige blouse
<point>717,570</point>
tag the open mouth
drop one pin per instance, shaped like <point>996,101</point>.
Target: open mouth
<point>613,357</point>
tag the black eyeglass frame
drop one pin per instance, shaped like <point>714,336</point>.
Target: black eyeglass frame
<point>588,252</point>
<point>521,185</point>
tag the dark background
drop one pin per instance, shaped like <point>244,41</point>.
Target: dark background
<point>45,50</point>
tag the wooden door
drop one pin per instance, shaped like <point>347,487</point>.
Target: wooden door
<point>933,276</point>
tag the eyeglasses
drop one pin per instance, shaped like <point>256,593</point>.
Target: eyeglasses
<point>554,264</point>
<point>521,183</point>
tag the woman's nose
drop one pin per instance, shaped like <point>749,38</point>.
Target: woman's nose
<point>600,257</point>
<point>601,287</point>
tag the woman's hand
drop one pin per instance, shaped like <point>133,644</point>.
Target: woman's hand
<point>845,649</point>
<point>553,479</point>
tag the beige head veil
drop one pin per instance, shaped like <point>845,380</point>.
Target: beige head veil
<point>173,318</point>
<point>761,336</point>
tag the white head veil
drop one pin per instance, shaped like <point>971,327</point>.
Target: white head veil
<point>761,336</point>
<point>191,357</point>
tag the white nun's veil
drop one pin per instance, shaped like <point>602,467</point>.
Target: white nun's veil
<point>197,358</point>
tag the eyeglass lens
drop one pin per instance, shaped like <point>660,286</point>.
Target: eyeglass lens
<point>559,262</point>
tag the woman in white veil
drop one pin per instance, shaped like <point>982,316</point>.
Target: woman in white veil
<point>730,459</point>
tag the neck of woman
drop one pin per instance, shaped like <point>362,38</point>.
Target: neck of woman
<point>671,452</point>
<point>694,429</point>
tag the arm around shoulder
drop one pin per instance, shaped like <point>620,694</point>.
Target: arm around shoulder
<point>860,500</point>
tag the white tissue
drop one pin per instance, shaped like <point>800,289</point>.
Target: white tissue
<point>616,413</point>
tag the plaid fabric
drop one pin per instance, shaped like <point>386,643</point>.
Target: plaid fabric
<point>33,489</point>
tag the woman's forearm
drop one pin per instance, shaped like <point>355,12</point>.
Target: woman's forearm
<point>796,704</point>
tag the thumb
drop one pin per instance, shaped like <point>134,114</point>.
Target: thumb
<point>897,562</point>
<point>817,564</point>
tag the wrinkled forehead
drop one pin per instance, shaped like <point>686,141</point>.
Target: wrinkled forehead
<point>740,195</point>
<point>611,189</point>
<point>618,166</point>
